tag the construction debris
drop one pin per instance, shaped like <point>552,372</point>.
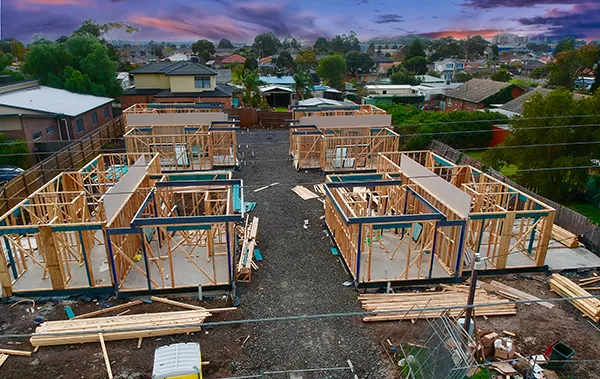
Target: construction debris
<point>566,288</point>
<point>19,353</point>
<point>305,193</point>
<point>265,187</point>
<point>107,310</point>
<point>377,303</point>
<point>190,306</point>
<point>51,333</point>
<point>246,262</point>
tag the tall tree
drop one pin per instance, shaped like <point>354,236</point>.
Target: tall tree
<point>204,48</point>
<point>345,43</point>
<point>355,60</point>
<point>266,44</point>
<point>224,43</point>
<point>495,52</point>
<point>416,49</point>
<point>533,129</point>
<point>13,47</point>
<point>596,84</point>
<point>306,59</point>
<point>370,50</point>
<point>284,62</point>
<point>417,65</point>
<point>332,69</point>
<point>565,44</point>
<point>569,65</point>
<point>322,46</point>
<point>303,81</point>
<point>291,43</point>
<point>474,47</point>
<point>402,76</point>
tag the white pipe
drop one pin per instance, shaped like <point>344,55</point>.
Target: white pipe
<point>58,126</point>
<point>67,129</point>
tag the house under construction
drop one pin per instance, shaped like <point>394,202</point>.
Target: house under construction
<point>120,225</point>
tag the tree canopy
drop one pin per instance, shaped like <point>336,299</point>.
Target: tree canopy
<point>13,47</point>
<point>306,59</point>
<point>204,48</point>
<point>322,46</point>
<point>417,65</point>
<point>565,44</point>
<point>81,64</point>
<point>331,70</point>
<point>570,64</point>
<point>224,43</point>
<point>416,49</point>
<point>355,60</point>
<point>501,75</point>
<point>345,43</point>
<point>403,76</point>
<point>291,43</point>
<point>266,44</point>
<point>533,129</point>
<point>284,62</point>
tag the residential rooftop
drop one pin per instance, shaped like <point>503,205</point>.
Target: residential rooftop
<point>174,68</point>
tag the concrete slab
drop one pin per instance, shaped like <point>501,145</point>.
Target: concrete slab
<point>384,269</point>
<point>563,258</point>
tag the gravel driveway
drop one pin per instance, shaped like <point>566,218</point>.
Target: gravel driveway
<point>298,276</point>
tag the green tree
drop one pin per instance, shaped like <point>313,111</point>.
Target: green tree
<point>433,73</point>
<point>13,152</point>
<point>303,82</point>
<point>539,72</point>
<point>322,46</point>
<point>204,48</point>
<point>5,60</point>
<point>306,59</point>
<point>533,129</point>
<point>331,70</point>
<point>416,49</point>
<point>461,77</point>
<point>355,60</point>
<point>596,84</point>
<point>224,43</point>
<point>266,44</point>
<point>501,75</point>
<point>565,44</point>
<point>495,52</point>
<point>417,65</point>
<point>81,64</point>
<point>13,47</point>
<point>250,82</point>
<point>403,76</point>
<point>284,62</point>
<point>291,43</point>
<point>345,43</point>
<point>569,65</point>
<point>474,47</point>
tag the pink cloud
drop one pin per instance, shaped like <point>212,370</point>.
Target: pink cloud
<point>212,28</point>
<point>58,2</point>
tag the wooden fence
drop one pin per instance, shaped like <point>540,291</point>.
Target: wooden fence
<point>248,116</point>
<point>270,119</point>
<point>567,218</point>
<point>71,157</point>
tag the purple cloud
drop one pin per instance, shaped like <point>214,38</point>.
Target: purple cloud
<point>488,4</point>
<point>388,18</point>
<point>580,21</point>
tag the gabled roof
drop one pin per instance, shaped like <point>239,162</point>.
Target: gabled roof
<point>477,90</point>
<point>52,101</point>
<point>382,59</point>
<point>234,58</point>
<point>174,68</point>
<point>289,80</point>
<point>516,105</point>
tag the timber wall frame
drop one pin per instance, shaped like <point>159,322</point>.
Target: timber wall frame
<point>187,147</point>
<point>58,239</point>
<point>340,149</point>
<point>502,220</point>
<point>361,208</point>
<point>173,114</point>
<point>355,110</point>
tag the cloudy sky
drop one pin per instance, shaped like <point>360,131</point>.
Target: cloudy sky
<point>241,20</point>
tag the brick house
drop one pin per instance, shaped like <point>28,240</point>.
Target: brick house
<point>480,94</point>
<point>177,82</point>
<point>42,115</point>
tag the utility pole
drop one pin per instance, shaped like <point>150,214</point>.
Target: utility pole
<point>471,298</point>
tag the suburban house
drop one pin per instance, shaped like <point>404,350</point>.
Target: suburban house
<point>479,94</point>
<point>326,92</point>
<point>40,114</point>
<point>449,67</point>
<point>177,82</point>
<point>392,93</point>
<point>278,80</point>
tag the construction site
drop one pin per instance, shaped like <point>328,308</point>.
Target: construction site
<point>318,249</point>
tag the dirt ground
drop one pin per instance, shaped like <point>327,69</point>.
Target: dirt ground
<point>298,276</point>
<point>536,327</point>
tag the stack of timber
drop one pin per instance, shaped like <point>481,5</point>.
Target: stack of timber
<point>416,302</point>
<point>564,237</point>
<point>512,293</point>
<point>89,330</point>
<point>246,262</point>
<point>566,288</point>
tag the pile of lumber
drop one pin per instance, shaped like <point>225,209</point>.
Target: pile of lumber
<point>512,293</point>
<point>565,237</point>
<point>94,329</point>
<point>246,262</point>
<point>376,303</point>
<point>566,288</point>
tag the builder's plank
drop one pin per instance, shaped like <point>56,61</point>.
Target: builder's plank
<point>304,193</point>
<point>107,310</point>
<point>19,353</point>
<point>520,294</point>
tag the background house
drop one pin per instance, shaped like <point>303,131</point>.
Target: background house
<point>40,114</point>
<point>449,67</point>
<point>179,82</point>
<point>392,93</point>
<point>479,94</point>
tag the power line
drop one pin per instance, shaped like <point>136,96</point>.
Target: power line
<point>334,315</point>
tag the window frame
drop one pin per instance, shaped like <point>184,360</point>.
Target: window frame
<point>39,137</point>
<point>202,79</point>
<point>95,118</point>
<point>106,112</point>
<point>78,124</point>
<point>50,130</point>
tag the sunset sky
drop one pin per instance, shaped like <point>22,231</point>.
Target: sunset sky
<point>240,21</point>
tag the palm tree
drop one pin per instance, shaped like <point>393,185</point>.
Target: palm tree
<point>251,92</point>
<point>303,82</point>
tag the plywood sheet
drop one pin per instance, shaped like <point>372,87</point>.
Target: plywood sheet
<point>148,119</point>
<point>456,199</point>
<point>120,192</point>
<point>325,122</point>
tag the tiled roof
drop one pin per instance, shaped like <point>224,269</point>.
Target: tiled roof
<point>516,105</point>
<point>174,68</point>
<point>477,90</point>
<point>234,58</point>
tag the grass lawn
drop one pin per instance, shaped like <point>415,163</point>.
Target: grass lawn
<point>587,209</point>
<point>507,170</point>
<point>281,110</point>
